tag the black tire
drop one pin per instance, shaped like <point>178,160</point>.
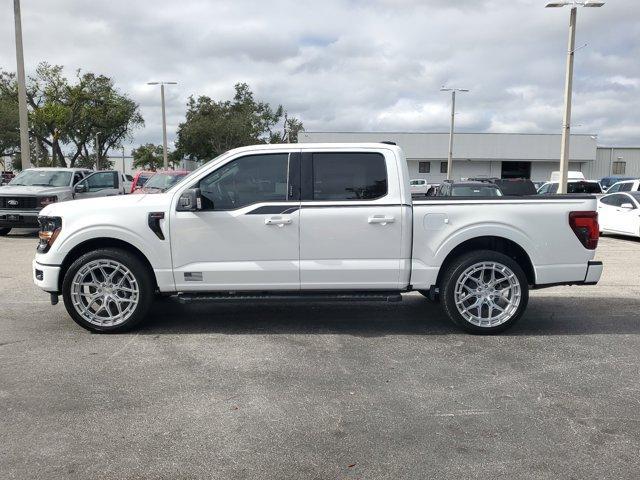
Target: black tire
<point>4,231</point>
<point>141,274</point>
<point>457,267</point>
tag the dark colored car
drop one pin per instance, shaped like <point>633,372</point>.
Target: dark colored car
<point>511,186</point>
<point>469,189</point>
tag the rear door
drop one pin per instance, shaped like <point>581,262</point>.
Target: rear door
<point>350,220</point>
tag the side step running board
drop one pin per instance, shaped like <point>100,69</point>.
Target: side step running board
<point>291,296</point>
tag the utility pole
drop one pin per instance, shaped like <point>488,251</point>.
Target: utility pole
<point>123,172</point>
<point>97,152</point>
<point>164,121</point>
<point>568,85</point>
<point>25,150</point>
<point>452,127</point>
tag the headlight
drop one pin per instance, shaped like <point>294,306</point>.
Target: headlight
<point>49,230</point>
<point>44,201</point>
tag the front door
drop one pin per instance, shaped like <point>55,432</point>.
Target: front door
<point>350,232</point>
<point>247,234</point>
<point>99,184</point>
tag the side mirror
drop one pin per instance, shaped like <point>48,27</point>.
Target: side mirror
<point>190,201</point>
<point>627,206</point>
<point>81,188</point>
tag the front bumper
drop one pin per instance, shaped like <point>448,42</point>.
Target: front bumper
<point>46,276</point>
<point>19,218</point>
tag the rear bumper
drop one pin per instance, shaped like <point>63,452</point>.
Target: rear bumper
<point>46,276</point>
<point>19,218</point>
<point>591,277</point>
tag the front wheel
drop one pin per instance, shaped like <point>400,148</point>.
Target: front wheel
<point>484,292</point>
<point>4,231</point>
<point>107,290</point>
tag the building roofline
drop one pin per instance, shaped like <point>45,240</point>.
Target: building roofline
<point>447,133</point>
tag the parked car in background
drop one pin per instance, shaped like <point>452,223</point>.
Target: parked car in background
<point>571,175</point>
<point>620,213</point>
<point>329,221</point>
<point>162,181</point>
<point>573,186</point>
<point>510,186</point>
<point>632,185</point>
<point>606,182</point>
<point>421,188</point>
<point>127,182</point>
<point>469,189</point>
<point>6,177</point>
<point>35,188</point>
<point>140,179</point>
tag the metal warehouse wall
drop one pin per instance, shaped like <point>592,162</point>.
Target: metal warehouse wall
<point>605,156</point>
<point>473,146</point>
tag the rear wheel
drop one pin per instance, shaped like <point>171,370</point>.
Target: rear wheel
<point>4,231</point>
<point>107,290</point>
<point>484,292</point>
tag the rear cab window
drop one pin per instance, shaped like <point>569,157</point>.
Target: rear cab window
<point>349,176</point>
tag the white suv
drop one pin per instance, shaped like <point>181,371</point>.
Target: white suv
<point>625,186</point>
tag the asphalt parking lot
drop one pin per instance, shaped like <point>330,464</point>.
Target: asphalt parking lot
<point>323,391</point>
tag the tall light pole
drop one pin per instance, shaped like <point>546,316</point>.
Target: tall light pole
<point>164,121</point>
<point>451,130</point>
<point>568,85</point>
<point>25,150</point>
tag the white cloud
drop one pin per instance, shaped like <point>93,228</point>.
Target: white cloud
<point>353,64</point>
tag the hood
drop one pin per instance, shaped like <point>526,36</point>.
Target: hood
<point>32,190</point>
<point>89,205</point>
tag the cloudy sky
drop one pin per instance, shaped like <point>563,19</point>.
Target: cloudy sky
<point>356,65</point>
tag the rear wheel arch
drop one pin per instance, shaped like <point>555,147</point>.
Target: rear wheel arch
<point>493,243</point>
<point>98,243</point>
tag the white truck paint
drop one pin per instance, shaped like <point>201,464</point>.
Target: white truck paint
<point>283,224</point>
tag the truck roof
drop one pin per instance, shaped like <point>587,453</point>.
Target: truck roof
<point>64,169</point>
<point>314,146</point>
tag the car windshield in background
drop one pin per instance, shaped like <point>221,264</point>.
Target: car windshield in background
<point>475,191</point>
<point>42,178</point>
<point>163,181</point>
<point>635,195</point>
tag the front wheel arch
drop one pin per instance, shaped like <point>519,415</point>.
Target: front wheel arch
<point>101,243</point>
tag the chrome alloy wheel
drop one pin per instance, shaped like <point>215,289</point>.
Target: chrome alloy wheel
<point>487,294</point>
<point>104,292</point>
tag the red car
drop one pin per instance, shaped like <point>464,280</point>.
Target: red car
<point>159,181</point>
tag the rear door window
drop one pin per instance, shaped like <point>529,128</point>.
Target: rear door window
<point>349,176</point>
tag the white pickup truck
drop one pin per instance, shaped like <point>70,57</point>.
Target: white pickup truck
<point>316,222</point>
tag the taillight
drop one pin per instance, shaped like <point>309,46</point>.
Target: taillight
<point>585,226</point>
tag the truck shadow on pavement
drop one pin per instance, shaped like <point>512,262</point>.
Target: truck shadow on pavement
<point>414,316</point>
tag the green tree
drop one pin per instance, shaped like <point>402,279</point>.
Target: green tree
<point>213,127</point>
<point>65,118</point>
<point>148,157</point>
<point>9,124</point>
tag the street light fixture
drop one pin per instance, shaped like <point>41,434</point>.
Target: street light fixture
<point>568,86</point>
<point>164,121</point>
<point>453,113</point>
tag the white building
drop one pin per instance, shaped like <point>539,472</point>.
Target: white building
<point>504,155</point>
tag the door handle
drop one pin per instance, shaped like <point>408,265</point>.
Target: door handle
<point>381,219</point>
<point>279,221</point>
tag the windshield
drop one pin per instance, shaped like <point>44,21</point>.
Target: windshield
<point>163,181</point>
<point>475,191</point>
<point>42,178</point>
<point>417,182</point>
